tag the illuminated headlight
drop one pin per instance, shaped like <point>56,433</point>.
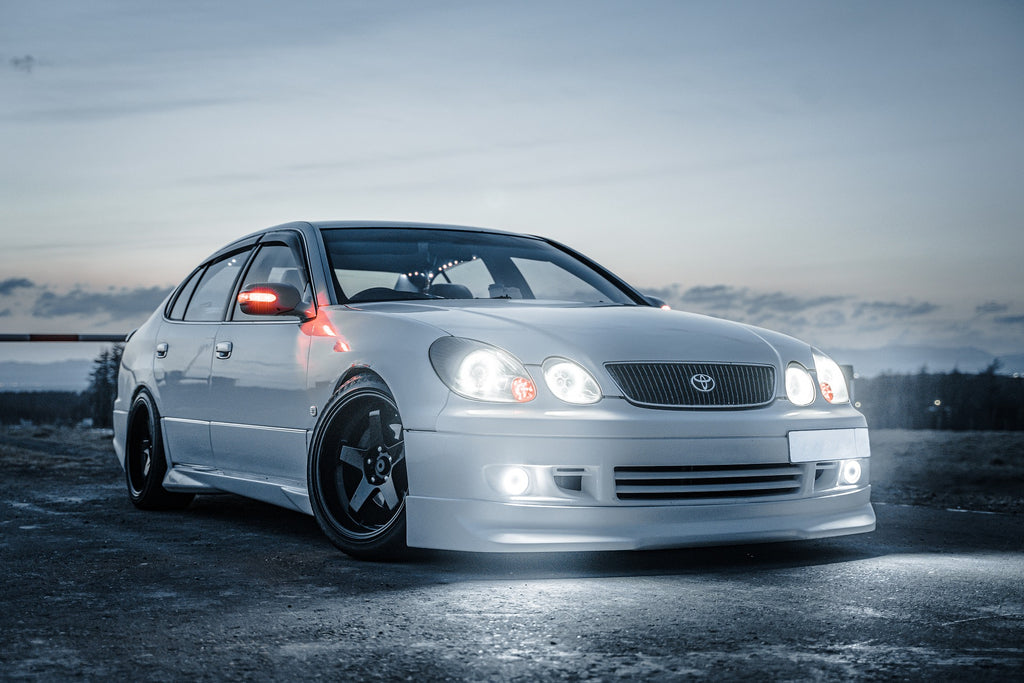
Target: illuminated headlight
<point>831,380</point>
<point>481,371</point>
<point>799,385</point>
<point>570,382</point>
<point>850,472</point>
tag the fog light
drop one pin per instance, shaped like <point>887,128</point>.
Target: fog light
<point>849,472</point>
<point>514,481</point>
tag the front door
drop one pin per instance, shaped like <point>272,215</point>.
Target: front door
<point>260,408</point>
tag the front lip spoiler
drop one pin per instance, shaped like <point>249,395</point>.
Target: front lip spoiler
<point>483,526</point>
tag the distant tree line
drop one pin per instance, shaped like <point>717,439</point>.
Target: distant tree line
<point>953,400</point>
<point>43,407</point>
<point>68,407</point>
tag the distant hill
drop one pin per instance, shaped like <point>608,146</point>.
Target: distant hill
<point>910,359</point>
<point>67,375</point>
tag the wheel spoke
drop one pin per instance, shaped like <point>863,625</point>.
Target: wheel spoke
<point>352,456</point>
<point>396,429</point>
<point>387,490</point>
<point>375,431</point>
<point>363,491</point>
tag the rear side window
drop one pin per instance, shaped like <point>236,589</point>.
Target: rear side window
<point>210,299</point>
<point>184,294</point>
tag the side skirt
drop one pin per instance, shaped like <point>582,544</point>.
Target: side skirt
<point>198,479</point>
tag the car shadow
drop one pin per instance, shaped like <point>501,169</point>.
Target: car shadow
<point>287,527</point>
<point>899,533</point>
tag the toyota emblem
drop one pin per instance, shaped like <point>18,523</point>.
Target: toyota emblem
<point>702,382</point>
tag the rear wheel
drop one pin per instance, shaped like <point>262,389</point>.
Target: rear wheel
<point>357,475</point>
<point>144,462</point>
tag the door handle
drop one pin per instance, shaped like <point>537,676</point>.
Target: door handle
<point>161,350</point>
<point>223,350</point>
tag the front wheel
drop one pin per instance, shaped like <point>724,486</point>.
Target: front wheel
<point>357,472</point>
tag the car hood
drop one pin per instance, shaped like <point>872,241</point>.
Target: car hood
<point>533,331</point>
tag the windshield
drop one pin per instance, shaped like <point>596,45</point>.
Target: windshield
<point>393,264</point>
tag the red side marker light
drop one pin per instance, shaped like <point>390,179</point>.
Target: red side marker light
<point>523,389</point>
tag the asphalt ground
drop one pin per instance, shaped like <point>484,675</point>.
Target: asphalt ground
<point>232,589</point>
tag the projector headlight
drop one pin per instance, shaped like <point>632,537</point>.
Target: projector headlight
<point>570,382</point>
<point>481,371</point>
<point>831,380</point>
<point>799,385</point>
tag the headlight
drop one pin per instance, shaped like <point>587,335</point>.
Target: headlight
<point>570,382</point>
<point>831,380</point>
<point>481,371</point>
<point>799,385</point>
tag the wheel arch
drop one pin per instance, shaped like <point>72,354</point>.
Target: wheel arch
<point>359,371</point>
<point>140,389</point>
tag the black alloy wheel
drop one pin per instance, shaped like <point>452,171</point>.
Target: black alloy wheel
<point>357,471</point>
<point>144,462</point>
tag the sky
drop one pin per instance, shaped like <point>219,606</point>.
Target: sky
<point>846,172</point>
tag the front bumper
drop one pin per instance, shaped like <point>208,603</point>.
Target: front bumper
<point>575,498</point>
<point>487,526</point>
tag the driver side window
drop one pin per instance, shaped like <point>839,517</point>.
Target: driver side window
<point>274,263</point>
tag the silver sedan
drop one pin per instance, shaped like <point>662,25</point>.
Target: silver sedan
<point>430,386</point>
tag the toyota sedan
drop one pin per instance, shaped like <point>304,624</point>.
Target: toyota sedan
<point>427,386</point>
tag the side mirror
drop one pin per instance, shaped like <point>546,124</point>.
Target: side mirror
<point>269,298</point>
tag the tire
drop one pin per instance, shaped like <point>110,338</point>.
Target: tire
<point>144,463</point>
<point>356,473</point>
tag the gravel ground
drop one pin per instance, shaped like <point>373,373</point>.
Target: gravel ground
<point>232,589</point>
<point>964,470</point>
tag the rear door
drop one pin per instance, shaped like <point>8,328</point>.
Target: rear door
<point>183,357</point>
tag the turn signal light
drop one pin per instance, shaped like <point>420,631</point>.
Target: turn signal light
<point>257,297</point>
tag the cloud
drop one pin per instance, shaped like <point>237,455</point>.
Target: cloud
<point>25,63</point>
<point>9,285</point>
<point>777,302</point>
<point>108,110</point>
<point>5,313</point>
<point>847,321</point>
<point>716,296</point>
<point>875,310</point>
<point>991,307</point>
<point>723,298</point>
<point>117,304</point>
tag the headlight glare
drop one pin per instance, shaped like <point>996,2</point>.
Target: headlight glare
<point>849,472</point>
<point>831,380</point>
<point>570,382</point>
<point>481,371</point>
<point>799,385</point>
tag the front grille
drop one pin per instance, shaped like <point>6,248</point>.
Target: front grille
<point>673,385</point>
<point>707,482</point>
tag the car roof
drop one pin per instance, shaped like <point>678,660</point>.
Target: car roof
<point>254,237</point>
<point>320,225</point>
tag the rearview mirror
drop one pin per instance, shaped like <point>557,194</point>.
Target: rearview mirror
<point>269,298</point>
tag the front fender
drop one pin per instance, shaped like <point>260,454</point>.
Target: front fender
<point>346,341</point>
